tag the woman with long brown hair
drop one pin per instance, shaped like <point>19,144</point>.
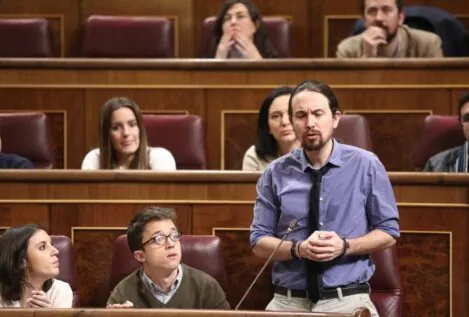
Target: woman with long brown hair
<point>123,141</point>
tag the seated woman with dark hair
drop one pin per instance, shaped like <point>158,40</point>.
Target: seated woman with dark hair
<point>123,141</point>
<point>275,135</point>
<point>239,32</point>
<point>28,267</point>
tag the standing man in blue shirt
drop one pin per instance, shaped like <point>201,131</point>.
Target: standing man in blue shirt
<point>344,214</point>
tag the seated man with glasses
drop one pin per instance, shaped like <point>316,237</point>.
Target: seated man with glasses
<point>163,281</point>
<point>455,159</point>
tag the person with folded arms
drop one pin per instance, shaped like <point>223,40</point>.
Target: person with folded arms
<point>28,269</point>
<point>344,205</point>
<point>123,141</point>
<point>386,35</point>
<point>163,281</point>
<point>239,32</point>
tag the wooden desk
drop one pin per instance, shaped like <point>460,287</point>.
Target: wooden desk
<point>163,313</point>
<point>93,208</point>
<point>395,96</point>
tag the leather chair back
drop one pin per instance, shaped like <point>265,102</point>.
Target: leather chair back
<point>27,134</point>
<point>353,129</point>
<point>386,284</point>
<point>129,37</point>
<point>182,135</point>
<point>68,265</point>
<point>200,252</point>
<point>439,133</point>
<point>278,32</point>
<point>25,38</point>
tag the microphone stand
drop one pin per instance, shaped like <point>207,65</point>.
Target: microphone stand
<point>289,230</point>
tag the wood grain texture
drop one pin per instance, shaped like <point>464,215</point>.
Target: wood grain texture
<point>433,209</point>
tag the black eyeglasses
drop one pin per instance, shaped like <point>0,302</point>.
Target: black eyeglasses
<point>162,239</point>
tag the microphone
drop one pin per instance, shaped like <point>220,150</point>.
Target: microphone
<point>289,230</point>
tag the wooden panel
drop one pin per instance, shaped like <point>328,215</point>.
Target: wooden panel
<point>238,135</point>
<point>94,263</point>
<point>464,20</point>
<point>64,107</point>
<point>62,16</point>
<point>240,99</point>
<point>425,261</point>
<point>155,101</point>
<point>242,269</point>
<point>18,214</point>
<point>296,10</point>
<point>180,10</point>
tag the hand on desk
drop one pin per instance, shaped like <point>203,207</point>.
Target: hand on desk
<point>321,246</point>
<point>127,304</point>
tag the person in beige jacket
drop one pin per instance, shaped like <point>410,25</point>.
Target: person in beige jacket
<point>387,36</point>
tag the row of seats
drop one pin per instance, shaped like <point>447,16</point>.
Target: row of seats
<point>386,285</point>
<point>27,134</point>
<point>122,36</point>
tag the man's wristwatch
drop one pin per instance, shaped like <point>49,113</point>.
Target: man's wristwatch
<point>293,253</point>
<point>346,246</point>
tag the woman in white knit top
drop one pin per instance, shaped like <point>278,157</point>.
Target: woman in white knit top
<point>28,267</point>
<point>123,141</point>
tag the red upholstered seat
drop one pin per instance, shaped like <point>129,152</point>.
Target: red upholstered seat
<point>353,129</point>
<point>278,32</point>
<point>129,37</point>
<point>386,284</point>
<point>195,252</point>
<point>68,265</point>
<point>25,38</point>
<point>27,134</point>
<point>182,135</point>
<point>439,133</point>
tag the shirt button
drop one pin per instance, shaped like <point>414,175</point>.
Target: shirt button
<point>321,223</point>
<point>320,198</point>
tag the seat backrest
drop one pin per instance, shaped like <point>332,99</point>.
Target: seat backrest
<point>196,250</point>
<point>353,129</point>
<point>386,284</point>
<point>278,32</point>
<point>68,265</point>
<point>129,37</point>
<point>182,135</point>
<point>25,38</point>
<point>27,134</point>
<point>439,133</point>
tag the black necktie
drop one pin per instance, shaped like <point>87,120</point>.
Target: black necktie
<point>314,280</point>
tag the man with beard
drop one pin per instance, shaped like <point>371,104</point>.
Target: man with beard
<point>387,36</point>
<point>343,201</point>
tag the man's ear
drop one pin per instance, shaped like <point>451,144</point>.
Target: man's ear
<point>139,255</point>
<point>336,118</point>
<point>401,18</point>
